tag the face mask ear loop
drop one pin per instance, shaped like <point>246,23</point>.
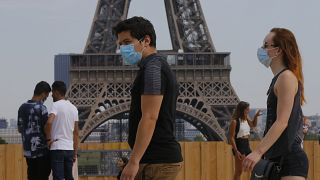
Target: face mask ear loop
<point>142,39</point>
<point>275,55</point>
<point>143,50</point>
<point>280,51</point>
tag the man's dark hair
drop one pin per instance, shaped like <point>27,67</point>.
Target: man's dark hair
<point>139,27</point>
<point>60,87</point>
<point>41,87</point>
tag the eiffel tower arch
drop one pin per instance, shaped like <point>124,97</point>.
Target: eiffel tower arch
<point>99,84</point>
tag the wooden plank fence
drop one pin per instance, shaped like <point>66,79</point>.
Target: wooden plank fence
<point>202,160</point>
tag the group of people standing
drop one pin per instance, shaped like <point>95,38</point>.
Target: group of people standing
<point>156,154</point>
<point>50,138</point>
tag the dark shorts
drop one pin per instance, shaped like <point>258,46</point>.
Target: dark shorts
<point>243,146</point>
<point>295,163</point>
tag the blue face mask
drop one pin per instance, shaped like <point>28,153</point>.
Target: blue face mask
<point>264,57</point>
<point>130,55</point>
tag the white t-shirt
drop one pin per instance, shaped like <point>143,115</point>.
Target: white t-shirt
<point>63,125</point>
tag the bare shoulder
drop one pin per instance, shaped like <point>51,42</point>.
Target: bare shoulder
<point>287,81</point>
<point>233,121</point>
<point>287,77</point>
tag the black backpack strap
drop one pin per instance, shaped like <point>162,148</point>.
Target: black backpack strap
<point>274,79</point>
<point>237,127</point>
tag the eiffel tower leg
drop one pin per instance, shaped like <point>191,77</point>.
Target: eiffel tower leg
<point>108,14</point>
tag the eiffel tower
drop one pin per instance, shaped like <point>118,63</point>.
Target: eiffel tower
<point>99,84</point>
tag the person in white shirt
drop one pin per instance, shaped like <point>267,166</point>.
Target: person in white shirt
<point>305,128</point>
<point>240,133</point>
<point>62,133</point>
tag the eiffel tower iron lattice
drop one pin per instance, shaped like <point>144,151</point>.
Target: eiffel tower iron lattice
<point>99,84</point>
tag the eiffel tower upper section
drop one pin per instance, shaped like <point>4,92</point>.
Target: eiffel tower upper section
<point>99,84</point>
<point>188,29</point>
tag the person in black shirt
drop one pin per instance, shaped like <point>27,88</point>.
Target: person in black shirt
<point>32,117</point>
<point>284,125</point>
<point>156,154</point>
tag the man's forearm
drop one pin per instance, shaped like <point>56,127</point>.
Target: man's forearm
<point>76,137</point>
<point>48,125</point>
<point>47,130</point>
<point>144,134</point>
<point>75,143</point>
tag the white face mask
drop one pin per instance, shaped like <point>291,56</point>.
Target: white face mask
<point>264,57</point>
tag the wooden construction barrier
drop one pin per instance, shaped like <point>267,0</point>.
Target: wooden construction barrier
<point>202,160</point>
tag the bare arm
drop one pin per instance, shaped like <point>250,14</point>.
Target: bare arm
<point>75,140</point>
<point>285,90</point>
<point>255,119</point>
<point>233,141</point>
<point>232,134</point>
<point>47,127</point>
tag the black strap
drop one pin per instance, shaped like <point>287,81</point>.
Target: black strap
<point>279,165</point>
<point>237,128</point>
<point>274,80</point>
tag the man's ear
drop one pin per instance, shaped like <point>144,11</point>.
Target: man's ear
<point>147,40</point>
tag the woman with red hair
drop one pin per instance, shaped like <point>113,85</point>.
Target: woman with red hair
<point>283,133</point>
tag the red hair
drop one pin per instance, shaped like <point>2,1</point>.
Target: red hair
<point>285,40</point>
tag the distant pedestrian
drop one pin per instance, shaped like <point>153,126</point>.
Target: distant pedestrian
<point>306,125</point>
<point>32,117</point>
<point>239,134</point>
<point>62,133</point>
<point>305,128</point>
<point>121,163</point>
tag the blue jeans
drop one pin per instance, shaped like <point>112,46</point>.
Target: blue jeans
<point>61,164</point>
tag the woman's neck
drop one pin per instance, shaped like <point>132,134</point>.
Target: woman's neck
<point>243,119</point>
<point>277,66</point>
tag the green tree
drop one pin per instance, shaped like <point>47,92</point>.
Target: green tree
<point>2,141</point>
<point>311,136</point>
<point>199,138</point>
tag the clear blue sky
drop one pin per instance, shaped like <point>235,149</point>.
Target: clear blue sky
<point>33,31</point>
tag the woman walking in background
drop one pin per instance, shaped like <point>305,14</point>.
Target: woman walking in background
<point>240,133</point>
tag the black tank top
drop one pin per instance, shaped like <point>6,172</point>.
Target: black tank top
<point>293,133</point>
